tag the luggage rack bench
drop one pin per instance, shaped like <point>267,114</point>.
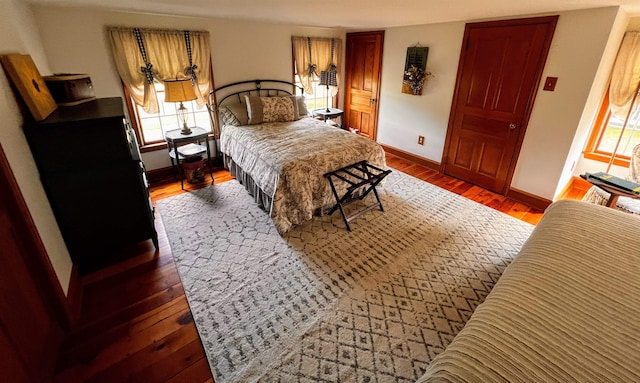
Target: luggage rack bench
<point>359,176</point>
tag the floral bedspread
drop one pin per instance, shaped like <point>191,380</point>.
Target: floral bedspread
<point>287,160</point>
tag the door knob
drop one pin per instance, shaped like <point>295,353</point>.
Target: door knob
<point>512,126</point>
<point>373,100</point>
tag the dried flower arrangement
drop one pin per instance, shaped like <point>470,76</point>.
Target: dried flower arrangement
<point>415,78</point>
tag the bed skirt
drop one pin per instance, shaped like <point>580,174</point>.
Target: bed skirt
<point>262,199</point>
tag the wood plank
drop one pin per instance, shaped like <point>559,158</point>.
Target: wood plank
<point>462,188</point>
<point>101,340</point>
<point>532,217</point>
<point>90,359</point>
<point>170,348</point>
<point>124,316</point>
<point>518,210</point>
<point>127,292</point>
<point>576,188</point>
<point>195,373</point>
<point>168,367</point>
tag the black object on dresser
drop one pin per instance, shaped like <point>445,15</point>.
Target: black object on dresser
<point>91,170</point>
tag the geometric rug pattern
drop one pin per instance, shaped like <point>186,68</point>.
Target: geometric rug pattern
<point>321,304</point>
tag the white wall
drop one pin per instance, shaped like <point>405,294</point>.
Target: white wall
<point>18,35</point>
<point>579,42</point>
<point>404,117</point>
<point>75,41</point>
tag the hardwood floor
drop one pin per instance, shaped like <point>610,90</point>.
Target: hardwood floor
<point>465,189</point>
<point>136,325</point>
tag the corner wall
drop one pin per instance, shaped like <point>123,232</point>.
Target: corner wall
<point>559,119</point>
<point>18,35</point>
<point>576,163</point>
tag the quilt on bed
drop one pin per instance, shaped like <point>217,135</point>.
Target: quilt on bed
<point>287,161</point>
<point>567,309</point>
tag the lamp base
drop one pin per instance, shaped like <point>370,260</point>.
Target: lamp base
<point>185,130</point>
<point>328,110</point>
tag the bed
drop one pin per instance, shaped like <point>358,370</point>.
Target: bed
<point>566,309</point>
<point>279,153</point>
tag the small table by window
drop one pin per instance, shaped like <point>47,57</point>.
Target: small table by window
<point>332,113</point>
<point>614,192</point>
<point>175,139</point>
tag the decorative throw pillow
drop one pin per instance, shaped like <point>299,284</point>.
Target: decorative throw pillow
<point>228,118</point>
<point>302,106</point>
<point>299,106</point>
<point>270,109</point>
<point>254,109</point>
<point>278,109</point>
<point>240,113</point>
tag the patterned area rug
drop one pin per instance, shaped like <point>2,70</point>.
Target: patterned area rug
<point>325,305</point>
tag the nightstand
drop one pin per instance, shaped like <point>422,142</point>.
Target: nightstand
<point>332,113</point>
<point>175,139</point>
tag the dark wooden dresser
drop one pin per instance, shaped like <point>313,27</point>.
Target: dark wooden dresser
<point>91,170</point>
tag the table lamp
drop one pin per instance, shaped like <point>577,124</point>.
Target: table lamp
<point>328,78</point>
<point>179,91</point>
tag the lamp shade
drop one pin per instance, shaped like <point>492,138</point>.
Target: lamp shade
<point>178,90</point>
<point>328,78</point>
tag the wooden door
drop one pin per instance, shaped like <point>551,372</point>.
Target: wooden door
<point>362,81</point>
<point>29,331</point>
<point>498,75</point>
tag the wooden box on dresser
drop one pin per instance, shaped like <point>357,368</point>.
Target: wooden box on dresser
<point>91,170</point>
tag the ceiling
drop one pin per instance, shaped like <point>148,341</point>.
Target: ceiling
<point>349,14</point>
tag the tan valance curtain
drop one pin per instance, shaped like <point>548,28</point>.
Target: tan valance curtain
<point>167,58</point>
<point>315,52</point>
<point>625,76</point>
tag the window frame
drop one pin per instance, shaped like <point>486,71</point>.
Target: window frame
<point>136,125</point>
<point>314,96</point>
<point>294,71</point>
<point>598,129</point>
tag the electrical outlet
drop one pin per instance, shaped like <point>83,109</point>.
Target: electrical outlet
<point>420,140</point>
<point>550,84</point>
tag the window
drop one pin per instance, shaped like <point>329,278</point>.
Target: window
<point>606,133</point>
<point>145,59</point>
<point>151,127</point>
<point>314,57</point>
<point>318,99</point>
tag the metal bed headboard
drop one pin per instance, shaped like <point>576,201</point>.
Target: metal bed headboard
<point>235,92</point>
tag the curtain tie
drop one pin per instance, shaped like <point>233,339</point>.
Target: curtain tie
<point>147,68</point>
<point>148,72</point>
<point>312,70</point>
<point>333,67</point>
<point>191,69</point>
<point>191,72</point>
<point>312,67</point>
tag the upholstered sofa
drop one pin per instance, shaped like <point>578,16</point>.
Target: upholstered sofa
<point>567,309</point>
